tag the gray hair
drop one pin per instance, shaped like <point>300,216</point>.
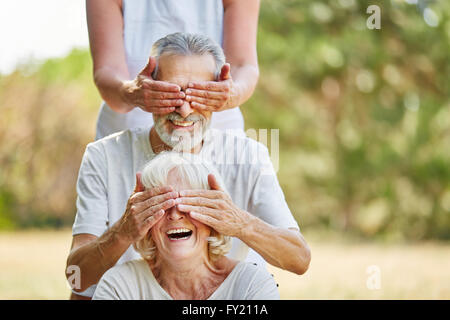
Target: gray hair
<point>185,44</point>
<point>194,170</point>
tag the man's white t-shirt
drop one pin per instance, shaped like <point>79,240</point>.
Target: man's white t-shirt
<point>107,178</point>
<point>134,280</point>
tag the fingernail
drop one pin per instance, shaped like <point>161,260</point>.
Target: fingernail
<point>182,95</point>
<point>188,98</point>
<point>188,91</point>
<point>190,85</point>
<point>182,193</point>
<point>178,200</point>
<point>181,206</point>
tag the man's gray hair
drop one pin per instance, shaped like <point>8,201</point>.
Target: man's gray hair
<point>185,44</point>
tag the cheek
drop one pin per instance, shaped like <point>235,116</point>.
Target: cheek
<point>202,230</point>
<point>160,120</point>
<point>156,233</point>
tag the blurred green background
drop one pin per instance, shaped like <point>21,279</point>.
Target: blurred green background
<point>364,119</point>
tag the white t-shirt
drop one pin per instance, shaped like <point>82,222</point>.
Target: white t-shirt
<point>134,280</point>
<point>107,178</point>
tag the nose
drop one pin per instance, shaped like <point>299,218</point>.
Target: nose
<point>185,110</point>
<point>173,214</point>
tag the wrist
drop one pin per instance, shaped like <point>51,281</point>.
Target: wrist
<point>120,236</point>
<point>248,226</point>
<point>126,88</point>
<point>234,100</point>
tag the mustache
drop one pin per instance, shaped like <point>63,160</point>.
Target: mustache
<point>177,117</point>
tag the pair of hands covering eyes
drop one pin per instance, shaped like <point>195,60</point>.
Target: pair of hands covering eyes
<point>213,207</point>
<point>161,97</point>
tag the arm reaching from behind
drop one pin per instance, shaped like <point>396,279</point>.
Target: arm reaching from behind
<point>111,76</point>
<point>95,255</point>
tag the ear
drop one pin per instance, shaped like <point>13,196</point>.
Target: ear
<point>225,72</point>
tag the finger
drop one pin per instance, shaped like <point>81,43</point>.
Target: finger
<point>205,94</point>
<point>164,103</point>
<point>198,201</point>
<point>210,194</point>
<point>225,72</point>
<point>139,186</point>
<point>213,183</point>
<point>154,209</point>
<point>164,95</point>
<point>210,86</point>
<point>207,102</point>
<point>153,219</point>
<point>202,210</point>
<point>148,69</point>
<point>164,206</point>
<point>153,201</point>
<point>161,110</point>
<point>148,193</point>
<point>160,85</point>
<point>201,106</point>
<point>209,221</point>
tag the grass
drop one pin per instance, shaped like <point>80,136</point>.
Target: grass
<point>32,266</point>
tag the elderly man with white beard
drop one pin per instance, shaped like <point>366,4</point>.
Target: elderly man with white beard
<point>109,221</point>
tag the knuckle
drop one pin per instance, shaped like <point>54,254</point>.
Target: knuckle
<point>150,202</point>
<point>167,203</point>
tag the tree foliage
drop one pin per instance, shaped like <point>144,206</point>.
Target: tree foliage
<point>364,119</point>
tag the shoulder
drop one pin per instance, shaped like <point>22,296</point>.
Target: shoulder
<point>120,281</point>
<point>118,138</point>
<point>239,148</point>
<point>124,270</point>
<point>256,282</point>
<point>119,141</point>
<point>248,273</point>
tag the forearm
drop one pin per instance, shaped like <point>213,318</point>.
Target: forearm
<point>245,78</point>
<point>110,84</point>
<point>283,248</point>
<point>97,256</point>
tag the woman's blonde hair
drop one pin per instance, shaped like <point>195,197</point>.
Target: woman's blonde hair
<point>194,170</point>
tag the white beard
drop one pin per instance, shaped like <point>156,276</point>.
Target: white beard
<point>181,140</point>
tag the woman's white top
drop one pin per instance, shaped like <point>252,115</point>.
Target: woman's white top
<point>146,21</point>
<point>134,280</point>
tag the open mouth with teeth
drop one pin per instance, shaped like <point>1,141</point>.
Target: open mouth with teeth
<point>183,124</point>
<point>179,234</point>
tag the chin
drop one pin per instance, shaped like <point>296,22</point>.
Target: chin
<point>180,140</point>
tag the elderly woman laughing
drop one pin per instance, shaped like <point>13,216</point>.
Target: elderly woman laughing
<point>183,258</point>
